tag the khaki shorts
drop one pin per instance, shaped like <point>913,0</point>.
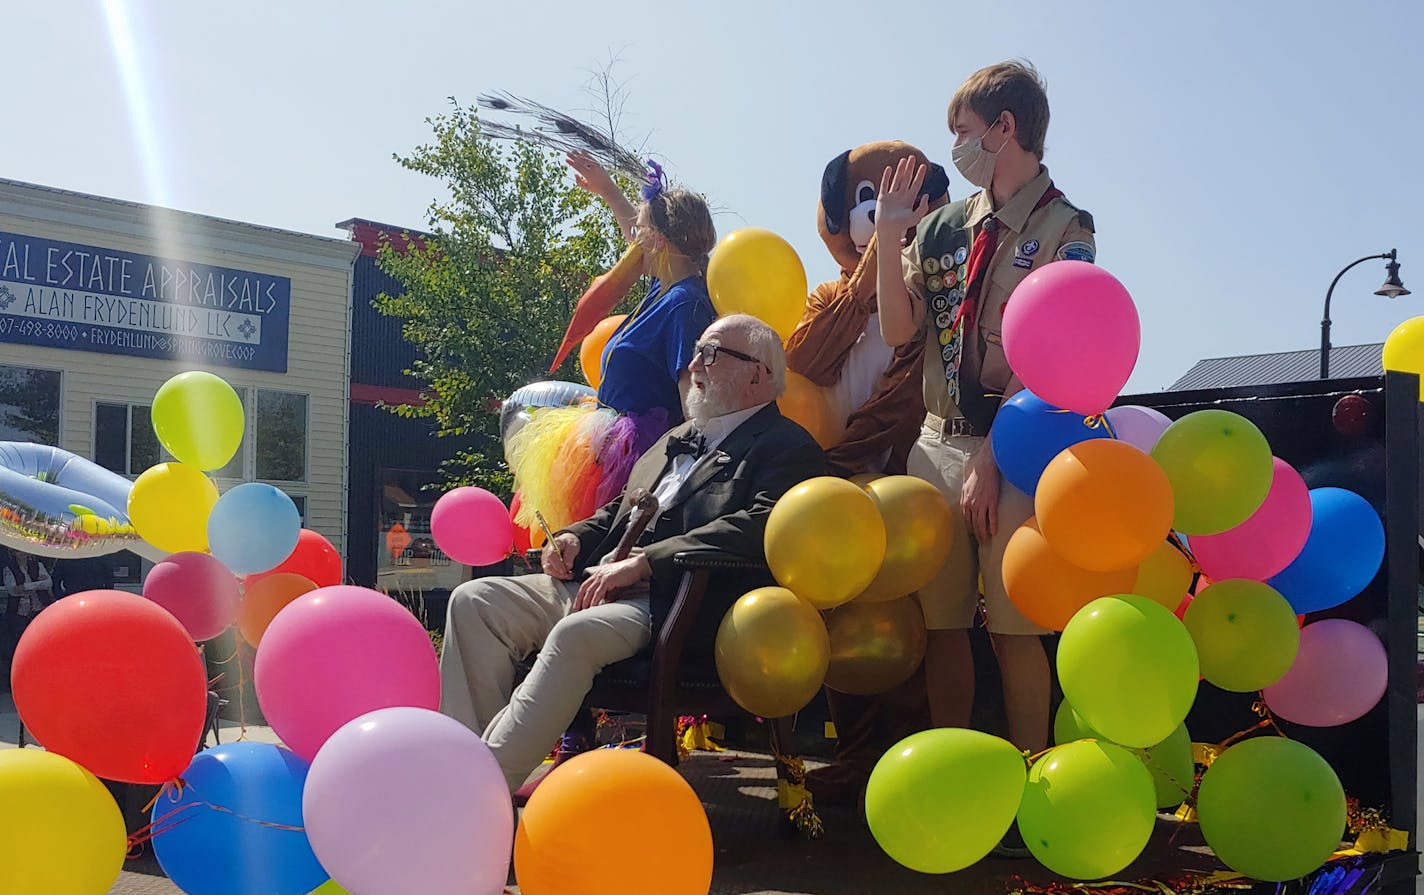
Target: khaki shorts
<point>951,600</point>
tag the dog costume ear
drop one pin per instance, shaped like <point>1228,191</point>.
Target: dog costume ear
<point>936,183</point>
<point>833,192</point>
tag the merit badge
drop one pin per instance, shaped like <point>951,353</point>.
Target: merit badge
<point>935,283</point>
<point>940,302</point>
<point>950,278</point>
<point>944,319</point>
<point>931,266</point>
<point>1076,251</point>
<point>1029,248</point>
<point>946,261</point>
<point>960,254</point>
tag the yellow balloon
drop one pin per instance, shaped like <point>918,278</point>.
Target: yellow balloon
<point>60,831</point>
<point>918,535</point>
<point>806,405</point>
<point>1404,349</point>
<point>1164,577</point>
<point>754,271</point>
<point>874,646</point>
<point>169,506</point>
<point>772,652</point>
<point>199,418</point>
<point>825,541</point>
<point>860,480</point>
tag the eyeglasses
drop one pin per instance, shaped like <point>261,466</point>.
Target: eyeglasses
<point>710,350</point>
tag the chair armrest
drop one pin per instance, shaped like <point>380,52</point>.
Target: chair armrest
<point>691,560</point>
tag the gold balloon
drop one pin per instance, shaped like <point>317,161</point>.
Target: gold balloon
<point>772,652</point>
<point>918,535</point>
<point>825,541</point>
<point>1164,577</point>
<point>754,271</point>
<point>874,646</point>
<point>806,405</point>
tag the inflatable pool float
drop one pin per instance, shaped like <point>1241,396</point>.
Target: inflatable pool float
<point>54,503</point>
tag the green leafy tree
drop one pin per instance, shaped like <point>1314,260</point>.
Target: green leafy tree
<point>488,296</point>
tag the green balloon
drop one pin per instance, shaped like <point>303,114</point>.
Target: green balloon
<point>1169,762</point>
<point>1129,668</point>
<point>1171,766</point>
<point>1246,634</point>
<point>199,418</point>
<point>1068,726</point>
<point>941,799</point>
<point>1220,468</point>
<point>1088,809</point>
<point>328,888</point>
<point>1271,808</point>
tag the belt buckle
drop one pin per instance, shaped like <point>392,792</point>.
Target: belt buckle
<point>956,427</point>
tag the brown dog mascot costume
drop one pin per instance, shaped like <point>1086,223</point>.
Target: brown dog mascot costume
<point>833,343</point>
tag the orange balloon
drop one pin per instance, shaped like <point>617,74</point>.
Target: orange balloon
<point>1047,588</point>
<point>1164,576</point>
<point>1104,505</point>
<point>565,843</point>
<point>264,598</point>
<point>806,405</point>
<point>591,350</point>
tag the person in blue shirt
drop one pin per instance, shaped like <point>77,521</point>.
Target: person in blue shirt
<point>570,461</point>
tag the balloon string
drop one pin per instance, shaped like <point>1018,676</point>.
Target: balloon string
<point>1176,541</point>
<point>183,813</point>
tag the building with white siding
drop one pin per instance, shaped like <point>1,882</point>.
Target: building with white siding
<point>103,300</point>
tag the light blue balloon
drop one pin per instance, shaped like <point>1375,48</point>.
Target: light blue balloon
<point>235,826</point>
<point>253,528</point>
<point>1340,558</point>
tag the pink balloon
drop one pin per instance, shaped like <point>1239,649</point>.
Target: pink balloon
<point>198,590</point>
<point>472,526</point>
<point>408,800</point>
<point>1268,540</point>
<point>1138,426</point>
<point>1071,334</point>
<point>335,654</point>
<point>1339,674</point>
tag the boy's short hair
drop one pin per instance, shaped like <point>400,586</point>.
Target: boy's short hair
<point>1014,87</point>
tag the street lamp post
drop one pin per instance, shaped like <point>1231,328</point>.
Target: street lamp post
<point>1392,288</point>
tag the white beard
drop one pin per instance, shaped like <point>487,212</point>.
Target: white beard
<point>713,400</point>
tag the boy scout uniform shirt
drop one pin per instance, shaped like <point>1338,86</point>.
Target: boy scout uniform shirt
<point>1029,237</point>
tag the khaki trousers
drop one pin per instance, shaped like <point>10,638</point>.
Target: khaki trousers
<point>493,623</point>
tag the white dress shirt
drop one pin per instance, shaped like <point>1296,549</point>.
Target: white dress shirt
<point>715,431</point>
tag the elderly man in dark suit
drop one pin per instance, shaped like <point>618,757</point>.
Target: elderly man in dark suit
<point>715,477</point>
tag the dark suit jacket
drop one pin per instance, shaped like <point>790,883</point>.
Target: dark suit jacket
<point>722,507</point>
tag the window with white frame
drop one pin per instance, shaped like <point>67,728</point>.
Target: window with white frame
<point>124,440</point>
<point>29,404</point>
<point>281,443</point>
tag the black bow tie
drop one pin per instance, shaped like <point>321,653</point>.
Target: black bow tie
<point>693,443</point>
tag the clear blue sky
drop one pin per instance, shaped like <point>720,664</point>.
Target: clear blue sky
<point>1235,155</point>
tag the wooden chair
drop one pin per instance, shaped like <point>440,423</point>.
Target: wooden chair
<point>663,683</point>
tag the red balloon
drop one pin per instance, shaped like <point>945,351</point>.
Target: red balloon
<point>1353,415</point>
<point>113,682</point>
<point>313,558</point>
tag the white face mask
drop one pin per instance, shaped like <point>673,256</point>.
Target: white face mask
<point>976,162</point>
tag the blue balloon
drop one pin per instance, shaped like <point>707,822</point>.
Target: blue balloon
<point>242,849</point>
<point>253,528</point>
<point>1340,558</point>
<point>1029,432</point>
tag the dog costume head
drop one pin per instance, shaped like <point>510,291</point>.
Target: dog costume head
<point>846,213</point>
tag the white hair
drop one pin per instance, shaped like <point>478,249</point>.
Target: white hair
<point>765,345</point>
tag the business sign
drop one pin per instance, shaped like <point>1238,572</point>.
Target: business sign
<point>65,295</point>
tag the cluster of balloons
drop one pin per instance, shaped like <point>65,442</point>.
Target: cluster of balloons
<point>848,556</point>
<point>1129,507</point>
